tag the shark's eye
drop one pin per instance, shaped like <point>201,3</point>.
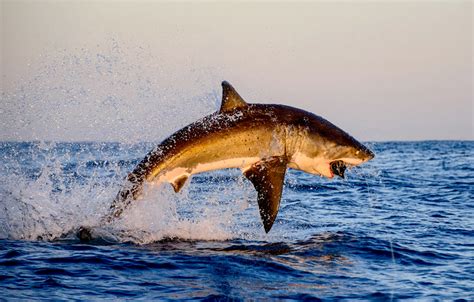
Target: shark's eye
<point>338,168</point>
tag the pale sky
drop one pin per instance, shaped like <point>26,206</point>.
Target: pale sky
<point>138,70</point>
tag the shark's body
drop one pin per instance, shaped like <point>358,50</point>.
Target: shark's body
<point>261,140</point>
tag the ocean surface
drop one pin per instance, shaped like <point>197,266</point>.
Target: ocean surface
<point>398,227</point>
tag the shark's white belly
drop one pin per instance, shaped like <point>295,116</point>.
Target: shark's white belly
<point>171,175</point>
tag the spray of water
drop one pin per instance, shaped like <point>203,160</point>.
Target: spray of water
<point>70,185</point>
<point>104,93</point>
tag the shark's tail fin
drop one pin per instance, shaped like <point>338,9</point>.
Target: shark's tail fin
<point>129,192</point>
<point>84,234</point>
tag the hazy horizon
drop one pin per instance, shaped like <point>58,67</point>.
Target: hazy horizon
<point>137,71</point>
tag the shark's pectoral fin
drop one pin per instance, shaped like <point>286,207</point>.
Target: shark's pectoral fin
<point>179,182</point>
<point>267,177</point>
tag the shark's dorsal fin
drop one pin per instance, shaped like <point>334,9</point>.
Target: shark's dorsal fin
<point>230,98</point>
<point>267,177</point>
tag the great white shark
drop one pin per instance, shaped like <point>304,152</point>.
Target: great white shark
<point>262,140</point>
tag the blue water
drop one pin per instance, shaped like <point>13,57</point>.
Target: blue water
<point>399,227</point>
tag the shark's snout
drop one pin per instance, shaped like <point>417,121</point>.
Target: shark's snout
<point>367,154</point>
<point>362,153</point>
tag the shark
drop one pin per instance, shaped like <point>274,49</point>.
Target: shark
<point>262,140</point>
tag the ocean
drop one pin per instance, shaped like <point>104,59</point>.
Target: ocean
<point>400,227</point>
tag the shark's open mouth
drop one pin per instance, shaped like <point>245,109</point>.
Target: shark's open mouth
<point>338,168</point>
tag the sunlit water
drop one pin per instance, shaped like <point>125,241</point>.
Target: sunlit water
<point>400,226</point>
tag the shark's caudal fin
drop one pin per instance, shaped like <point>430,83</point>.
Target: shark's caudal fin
<point>267,177</point>
<point>230,98</point>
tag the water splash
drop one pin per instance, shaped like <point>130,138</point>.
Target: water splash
<point>73,186</point>
<point>107,92</point>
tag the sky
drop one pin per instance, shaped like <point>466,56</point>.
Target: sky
<point>138,70</point>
